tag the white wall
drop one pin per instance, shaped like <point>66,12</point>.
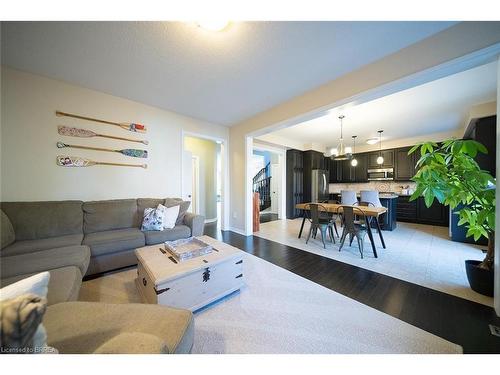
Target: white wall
<point>29,136</point>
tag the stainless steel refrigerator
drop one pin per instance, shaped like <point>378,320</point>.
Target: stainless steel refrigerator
<point>319,188</point>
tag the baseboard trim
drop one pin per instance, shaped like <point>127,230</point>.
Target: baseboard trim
<point>239,231</point>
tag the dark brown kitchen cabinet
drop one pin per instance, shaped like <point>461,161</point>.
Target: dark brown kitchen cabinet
<point>404,168</point>
<point>361,174</point>
<point>294,182</point>
<point>335,171</point>
<point>417,212</point>
<point>388,156</point>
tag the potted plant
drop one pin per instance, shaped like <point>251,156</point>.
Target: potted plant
<point>448,172</point>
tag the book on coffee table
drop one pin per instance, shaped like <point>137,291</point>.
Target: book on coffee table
<point>187,248</point>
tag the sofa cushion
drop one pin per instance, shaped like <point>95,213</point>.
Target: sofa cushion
<point>177,232</point>
<point>7,235</point>
<point>46,260</point>
<point>35,220</point>
<point>114,240</point>
<point>84,327</point>
<point>143,203</point>
<point>31,246</point>
<point>64,284</point>
<point>184,206</point>
<point>100,216</point>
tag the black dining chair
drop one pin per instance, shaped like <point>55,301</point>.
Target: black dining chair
<point>354,221</point>
<point>317,219</point>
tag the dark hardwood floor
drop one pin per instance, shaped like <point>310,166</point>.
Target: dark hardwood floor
<point>455,319</point>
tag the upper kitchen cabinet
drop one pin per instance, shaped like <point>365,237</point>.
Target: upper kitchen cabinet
<point>360,173</point>
<point>483,130</point>
<point>404,164</point>
<point>388,156</point>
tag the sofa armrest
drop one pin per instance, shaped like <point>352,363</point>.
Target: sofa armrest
<point>133,343</point>
<point>195,222</point>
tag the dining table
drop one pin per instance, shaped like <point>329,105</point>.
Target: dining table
<point>371,213</point>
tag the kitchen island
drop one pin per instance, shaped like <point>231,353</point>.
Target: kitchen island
<point>389,201</point>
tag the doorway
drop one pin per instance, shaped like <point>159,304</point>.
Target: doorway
<point>203,179</point>
<point>268,176</point>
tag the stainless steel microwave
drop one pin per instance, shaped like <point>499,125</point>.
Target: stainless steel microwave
<point>381,174</point>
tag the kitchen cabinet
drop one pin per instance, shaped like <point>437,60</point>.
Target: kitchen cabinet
<point>361,174</point>
<point>335,171</point>
<point>388,156</point>
<point>404,166</point>
<point>294,182</point>
<point>312,160</point>
<point>483,130</point>
<point>417,212</point>
<point>347,171</point>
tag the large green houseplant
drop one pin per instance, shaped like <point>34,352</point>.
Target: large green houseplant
<point>448,172</point>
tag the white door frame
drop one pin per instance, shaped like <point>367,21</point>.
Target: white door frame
<point>469,61</point>
<point>224,171</point>
<point>196,183</point>
<point>281,152</point>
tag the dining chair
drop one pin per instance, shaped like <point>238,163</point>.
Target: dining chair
<point>324,224</point>
<point>370,196</point>
<point>348,197</point>
<point>353,228</point>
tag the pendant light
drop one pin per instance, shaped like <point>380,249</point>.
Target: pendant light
<point>354,161</point>
<point>342,152</point>
<point>380,159</point>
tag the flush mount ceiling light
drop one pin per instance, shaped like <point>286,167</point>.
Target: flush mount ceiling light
<point>341,152</point>
<point>380,159</point>
<point>213,25</point>
<point>372,141</point>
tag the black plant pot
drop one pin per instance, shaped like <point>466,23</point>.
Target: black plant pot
<point>480,280</point>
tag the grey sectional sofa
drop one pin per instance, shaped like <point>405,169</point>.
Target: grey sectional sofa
<point>71,239</point>
<point>110,229</point>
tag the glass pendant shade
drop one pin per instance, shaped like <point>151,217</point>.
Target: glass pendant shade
<point>343,153</point>
<point>354,162</point>
<point>380,159</point>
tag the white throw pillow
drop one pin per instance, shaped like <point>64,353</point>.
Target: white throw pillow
<point>170,216</point>
<point>36,284</point>
<point>153,218</point>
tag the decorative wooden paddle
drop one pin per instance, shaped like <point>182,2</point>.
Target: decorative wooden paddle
<point>76,161</point>
<point>132,127</point>
<point>83,133</point>
<point>128,151</point>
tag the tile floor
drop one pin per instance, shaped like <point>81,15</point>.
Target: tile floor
<point>421,254</point>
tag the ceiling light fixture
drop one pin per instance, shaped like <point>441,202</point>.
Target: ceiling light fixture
<point>213,25</point>
<point>342,152</point>
<point>380,159</point>
<point>354,161</point>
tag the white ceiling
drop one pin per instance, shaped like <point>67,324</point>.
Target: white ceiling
<point>435,107</point>
<point>222,77</point>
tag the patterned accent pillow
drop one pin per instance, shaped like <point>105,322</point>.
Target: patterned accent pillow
<point>153,218</point>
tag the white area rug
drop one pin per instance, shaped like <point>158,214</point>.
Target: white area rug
<point>421,254</point>
<point>280,312</point>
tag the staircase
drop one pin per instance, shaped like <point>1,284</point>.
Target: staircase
<point>262,185</point>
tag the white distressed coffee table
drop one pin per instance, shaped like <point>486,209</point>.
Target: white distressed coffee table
<point>193,283</point>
